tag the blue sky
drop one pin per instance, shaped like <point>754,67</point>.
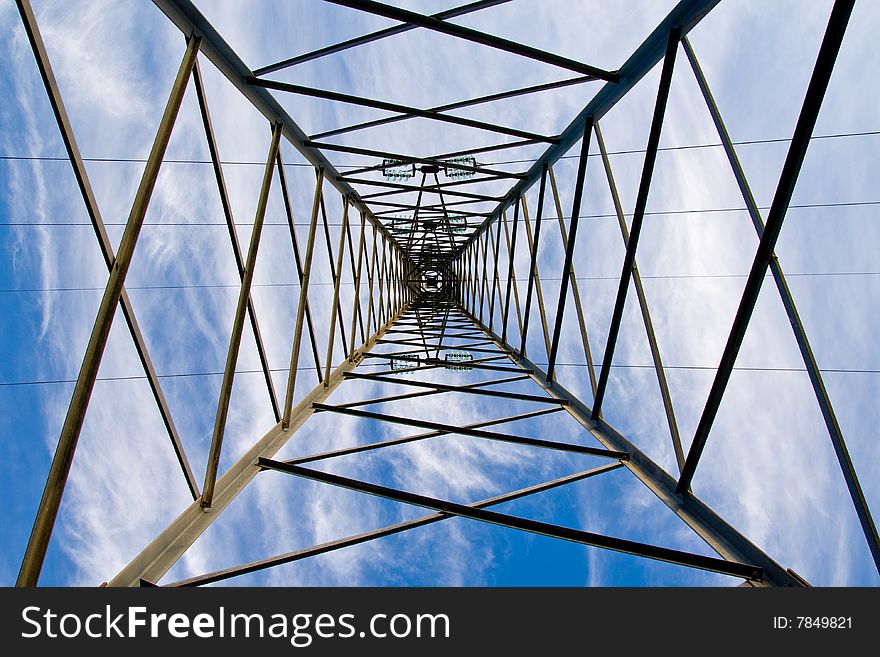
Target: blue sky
<point>768,469</point>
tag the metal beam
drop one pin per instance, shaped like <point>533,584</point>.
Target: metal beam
<point>382,278</point>
<point>50,502</point>
<point>569,242</point>
<point>80,173</point>
<point>510,251</point>
<point>374,36</point>
<point>460,105</point>
<point>436,161</point>
<point>484,276</point>
<point>638,216</point>
<point>443,387</point>
<point>371,269</point>
<point>323,548</point>
<point>354,265</point>
<point>476,433</point>
<point>476,36</point>
<point>356,309</point>
<point>511,257</point>
<point>336,272</point>
<point>800,141</point>
<point>233,234</point>
<point>720,536</point>
<point>244,296</point>
<point>426,393</point>
<point>713,564</point>
<point>643,305</point>
<point>394,107</point>
<point>684,16</point>
<point>164,551</point>
<point>291,225</point>
<point>418,437</point>
<point>397,188</point>
<point>533,261</point>
<point>534,274</point>
<point>303,301</point>
<point>863,511</point>
<point>495,240</point>
<point>185,15</point>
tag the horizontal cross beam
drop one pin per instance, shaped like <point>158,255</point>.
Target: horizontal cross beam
<point>476,36</point>
<point>735,569</point>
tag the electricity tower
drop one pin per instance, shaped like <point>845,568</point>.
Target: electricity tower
<point>430,247</point>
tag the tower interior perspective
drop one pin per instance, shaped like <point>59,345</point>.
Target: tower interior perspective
<point>440,293</point>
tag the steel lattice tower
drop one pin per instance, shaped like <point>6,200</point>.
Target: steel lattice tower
<point>437,291</point>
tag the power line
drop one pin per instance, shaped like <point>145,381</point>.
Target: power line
<point>792,206</point>
<point>183,375</point>
<point>747,142</point>
<point>135,160</point>
<point>710,368</point>
<point>138,377</point>
<point>351,283</point>
<point>169,287</point>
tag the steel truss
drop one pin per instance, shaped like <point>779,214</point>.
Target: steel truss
<point>439,280</point>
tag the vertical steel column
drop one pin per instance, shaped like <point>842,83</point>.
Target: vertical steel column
<point>788,178</point>
<point>244,296</point>
<point>638,215</point>
<point>59,470</point>
<point>568,242</point>
<point>303,301</point>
